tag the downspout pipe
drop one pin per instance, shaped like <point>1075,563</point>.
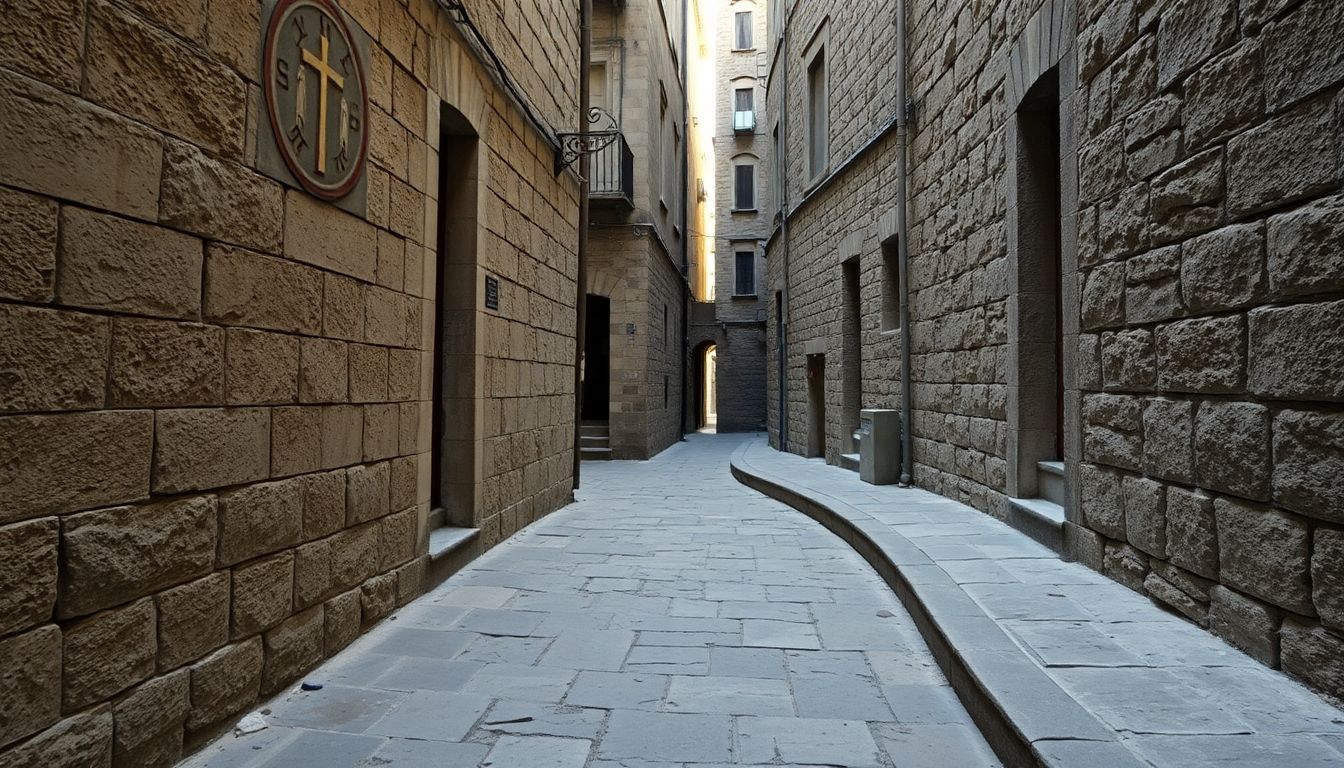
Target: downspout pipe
<point>581,278</point>
<point>903,241</point>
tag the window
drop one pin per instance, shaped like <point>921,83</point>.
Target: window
<point>817,116</point>
<point>744,186</point>
<point>744,110</point>
<point>744,282</point>
<point>742,31</point>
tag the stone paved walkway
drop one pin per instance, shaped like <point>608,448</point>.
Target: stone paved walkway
<point>1090,672</point>
<point>671,618</point>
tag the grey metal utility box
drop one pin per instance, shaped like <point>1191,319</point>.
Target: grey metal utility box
<point>880,446</point>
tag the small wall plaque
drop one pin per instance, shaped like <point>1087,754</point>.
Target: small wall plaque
<point>492,293</point>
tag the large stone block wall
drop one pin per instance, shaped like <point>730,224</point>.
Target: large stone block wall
<point>215,390</point>
<point>1209,228</point>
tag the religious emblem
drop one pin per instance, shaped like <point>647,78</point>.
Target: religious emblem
<point>316,97</point>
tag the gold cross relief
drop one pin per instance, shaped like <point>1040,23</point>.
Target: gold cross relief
<point>325,73</point>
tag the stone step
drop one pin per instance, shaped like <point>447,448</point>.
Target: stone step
<point>1050,481</point>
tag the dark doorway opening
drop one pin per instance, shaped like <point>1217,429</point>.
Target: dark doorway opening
<point>597,360</point>
<point>454,475</point>
<point>816,406</point>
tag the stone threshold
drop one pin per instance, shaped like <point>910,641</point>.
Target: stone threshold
<point>1013,688</point>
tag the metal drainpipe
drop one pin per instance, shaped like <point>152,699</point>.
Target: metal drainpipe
<point>783,42</point>
<point>581,278</point>
<point>903,242</point>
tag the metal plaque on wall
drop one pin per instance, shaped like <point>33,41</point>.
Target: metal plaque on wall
<point>313,131</point>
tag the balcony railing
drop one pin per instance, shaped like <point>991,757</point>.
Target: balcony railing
<point>611,171</point>
<point>744,122</point>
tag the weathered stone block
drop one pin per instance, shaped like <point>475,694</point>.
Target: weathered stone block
<point>1245,622</point>
<point>219,200</point>
<point>378,598</point>
<point>67,462</point>
<point>1165,592</point>
<point>263,593</point>
<point>1297,352</point>
<point>343,308</point>
<point>355,555</point>
<point>1300,53</point>
<point>113,555</point>
<point>43,39</point>
<point>1192,533</point>
<point>293,648</point>
<point>341,618</point>
<point>63,146</point>
<point>30,688</point>
<point>368,373</point>
<point>324,371</point>
<point>1128,360</point>
<point>28,568</point>
<point>1103,501</point>
<point>246,288</point>
<point>1204,355</point>
<point>1264,552</point>
<point>1146,515</point>
<point>1126,565</point>
<point>323,504</point>
<point>381,424</point>
<point>398,533</point>
<point>61,364</point>
<point>296,440</point>
<point>107,653</point>
<point>1113,430</point>
<point>1103,302</point>
<point>1224,269</point>
<point>259,519</point>
<point>327,237</point>
<point>209,448</point>
<point>157,363</point>
<point>85,739</point>
<point>141,72</point>
<point>27,244</point>
<point>225,682</point>
<point>1231,444</point>
<point>150,711</point>
<point>193,620</point>
<point>1309,463</point>
<point>1187,199</point>
<point>1327,576</point>
<point>1258,177</point>
<point>367,492</point>
<point>263,367</point>
<point>1190,32</point>
<point>1313,654</point>
<point>125,266</point>
<point>1304,252</point>
<point>342,435</point>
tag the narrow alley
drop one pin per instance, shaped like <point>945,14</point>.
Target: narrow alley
<point>672,616</point>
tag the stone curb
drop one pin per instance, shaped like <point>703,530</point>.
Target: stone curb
<point>1024,715</point>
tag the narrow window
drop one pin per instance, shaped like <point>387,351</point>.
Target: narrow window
<point>745,273</point>
<point>742,28</point>
<point>744,187</point>
<point>817,115</point>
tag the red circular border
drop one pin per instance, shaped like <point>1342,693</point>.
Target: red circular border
<point>268,75</point>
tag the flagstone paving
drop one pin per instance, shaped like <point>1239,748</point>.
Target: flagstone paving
<point>672,617</point>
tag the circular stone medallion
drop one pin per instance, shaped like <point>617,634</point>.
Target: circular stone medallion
<point>316,97</point>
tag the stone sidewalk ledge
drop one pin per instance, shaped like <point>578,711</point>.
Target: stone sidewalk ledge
<point>1024,713</point>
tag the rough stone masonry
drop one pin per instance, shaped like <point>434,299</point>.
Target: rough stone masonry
<point>216,389</point>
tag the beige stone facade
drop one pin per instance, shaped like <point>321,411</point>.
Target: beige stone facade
<point>636,272</point>
<point>217,393</point>
<point>1193,159</point>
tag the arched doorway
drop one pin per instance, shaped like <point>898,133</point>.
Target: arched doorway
<point>706,387</point>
